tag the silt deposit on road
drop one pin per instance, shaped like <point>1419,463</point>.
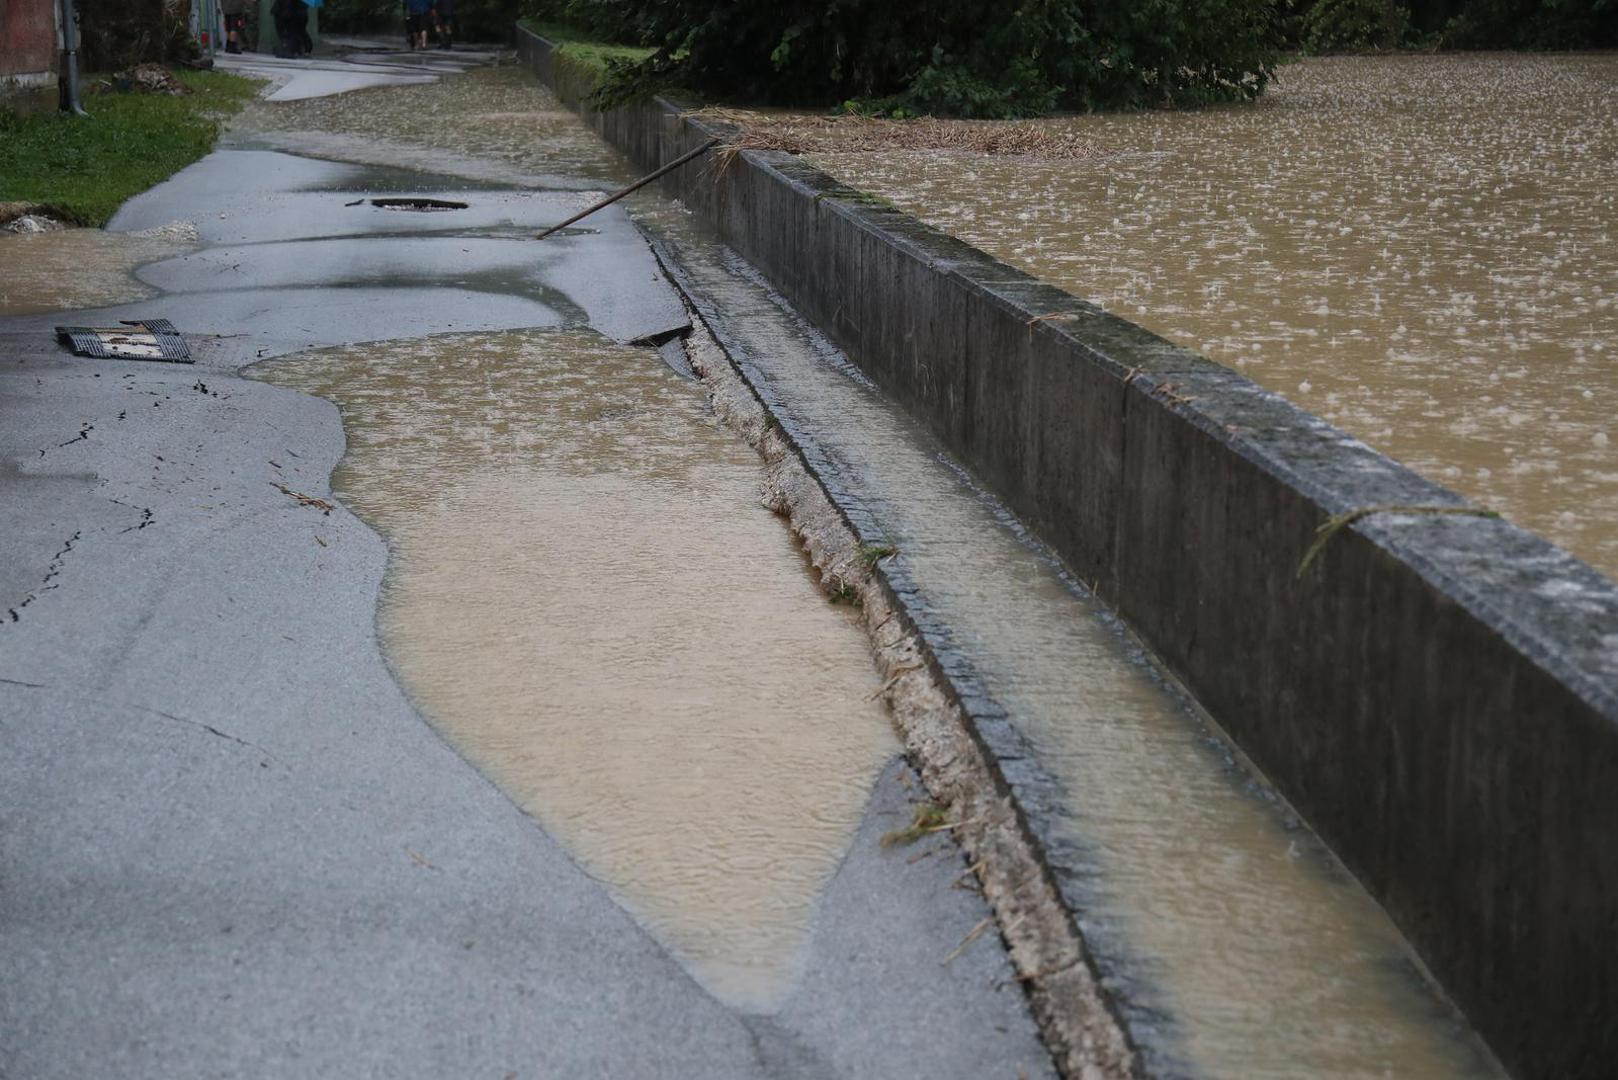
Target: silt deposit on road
<point>587,597</point>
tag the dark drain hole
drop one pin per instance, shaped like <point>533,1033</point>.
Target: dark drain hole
<point>424,205</point>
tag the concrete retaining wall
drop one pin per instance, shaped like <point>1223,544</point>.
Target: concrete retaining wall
<point>1437,692</point>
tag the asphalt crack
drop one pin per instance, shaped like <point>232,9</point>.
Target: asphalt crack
<point>82,436</point>
<point>53,570</point>
<point>146,709</point>
<point>146,518</point>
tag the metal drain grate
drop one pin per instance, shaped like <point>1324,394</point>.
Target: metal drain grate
<point>150,339</point>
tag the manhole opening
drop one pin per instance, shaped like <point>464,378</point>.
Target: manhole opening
<point>420,205</point>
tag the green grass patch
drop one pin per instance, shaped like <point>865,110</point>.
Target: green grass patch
<point>584,49</point>
<point>871,554</point>
<point>84,167</point>
<point>926,819</point>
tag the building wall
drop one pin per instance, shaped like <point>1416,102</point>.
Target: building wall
<point>28,41</point>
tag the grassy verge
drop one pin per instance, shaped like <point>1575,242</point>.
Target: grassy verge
<point>587,51</point>
<point>83,168</point>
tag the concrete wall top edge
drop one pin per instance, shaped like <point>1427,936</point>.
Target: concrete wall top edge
<point>1554,608</point>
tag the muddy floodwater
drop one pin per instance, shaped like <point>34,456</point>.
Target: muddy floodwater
<point>1419,248</point>
<point>81,268</point>
<point>589,600</point>
<point>492,123</point>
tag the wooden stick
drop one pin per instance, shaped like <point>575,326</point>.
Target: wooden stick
<point>636,186</point>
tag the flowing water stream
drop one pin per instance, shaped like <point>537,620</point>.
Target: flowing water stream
<point>1418,248</point>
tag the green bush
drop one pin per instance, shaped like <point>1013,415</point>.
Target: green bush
<point>1533,24</point>
<point>116,34</point>
<point>1354,25</point>
<point>960,57</point>
<point>358,16</point>
<point>479,20</point>
<point>1326,25</point>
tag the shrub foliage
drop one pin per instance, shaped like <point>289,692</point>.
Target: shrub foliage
<point>1354,25</point>
<point>479,20</point>
<point>962,57</point>
<point>120,33</point>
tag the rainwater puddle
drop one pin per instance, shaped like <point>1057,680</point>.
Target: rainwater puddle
<point>586,596</point>
<point>1235,939</point>
<point>71,269</point>
<point>1421,249</point>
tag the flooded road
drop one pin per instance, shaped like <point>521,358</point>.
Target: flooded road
<point>493,123</point>
<point>1227,928</point>
<point>587,597</point>
<point>1418,248</point>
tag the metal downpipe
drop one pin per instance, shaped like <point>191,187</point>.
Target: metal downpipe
<point>70,60</point>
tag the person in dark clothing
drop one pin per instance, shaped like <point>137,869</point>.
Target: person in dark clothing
<point>235,13</point>
<point>292,27</point>
<point>444,22</point>
<point>418,17</point>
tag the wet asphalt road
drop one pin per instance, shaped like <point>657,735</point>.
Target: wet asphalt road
<point>229,845</point>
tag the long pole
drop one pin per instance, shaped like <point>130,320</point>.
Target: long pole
<point>70,60</point>
<point>636,186</point>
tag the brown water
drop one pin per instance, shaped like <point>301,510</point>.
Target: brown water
<point>492,123</point>
<point>1234,937</point>
<point>1419,248</point>
<point>588,598</point>
<point>80,268</point>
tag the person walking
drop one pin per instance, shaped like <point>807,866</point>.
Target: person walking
<point>292,27</point>
<point>444,22</point>
<point>235,13</point>
<point>418,16</point>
